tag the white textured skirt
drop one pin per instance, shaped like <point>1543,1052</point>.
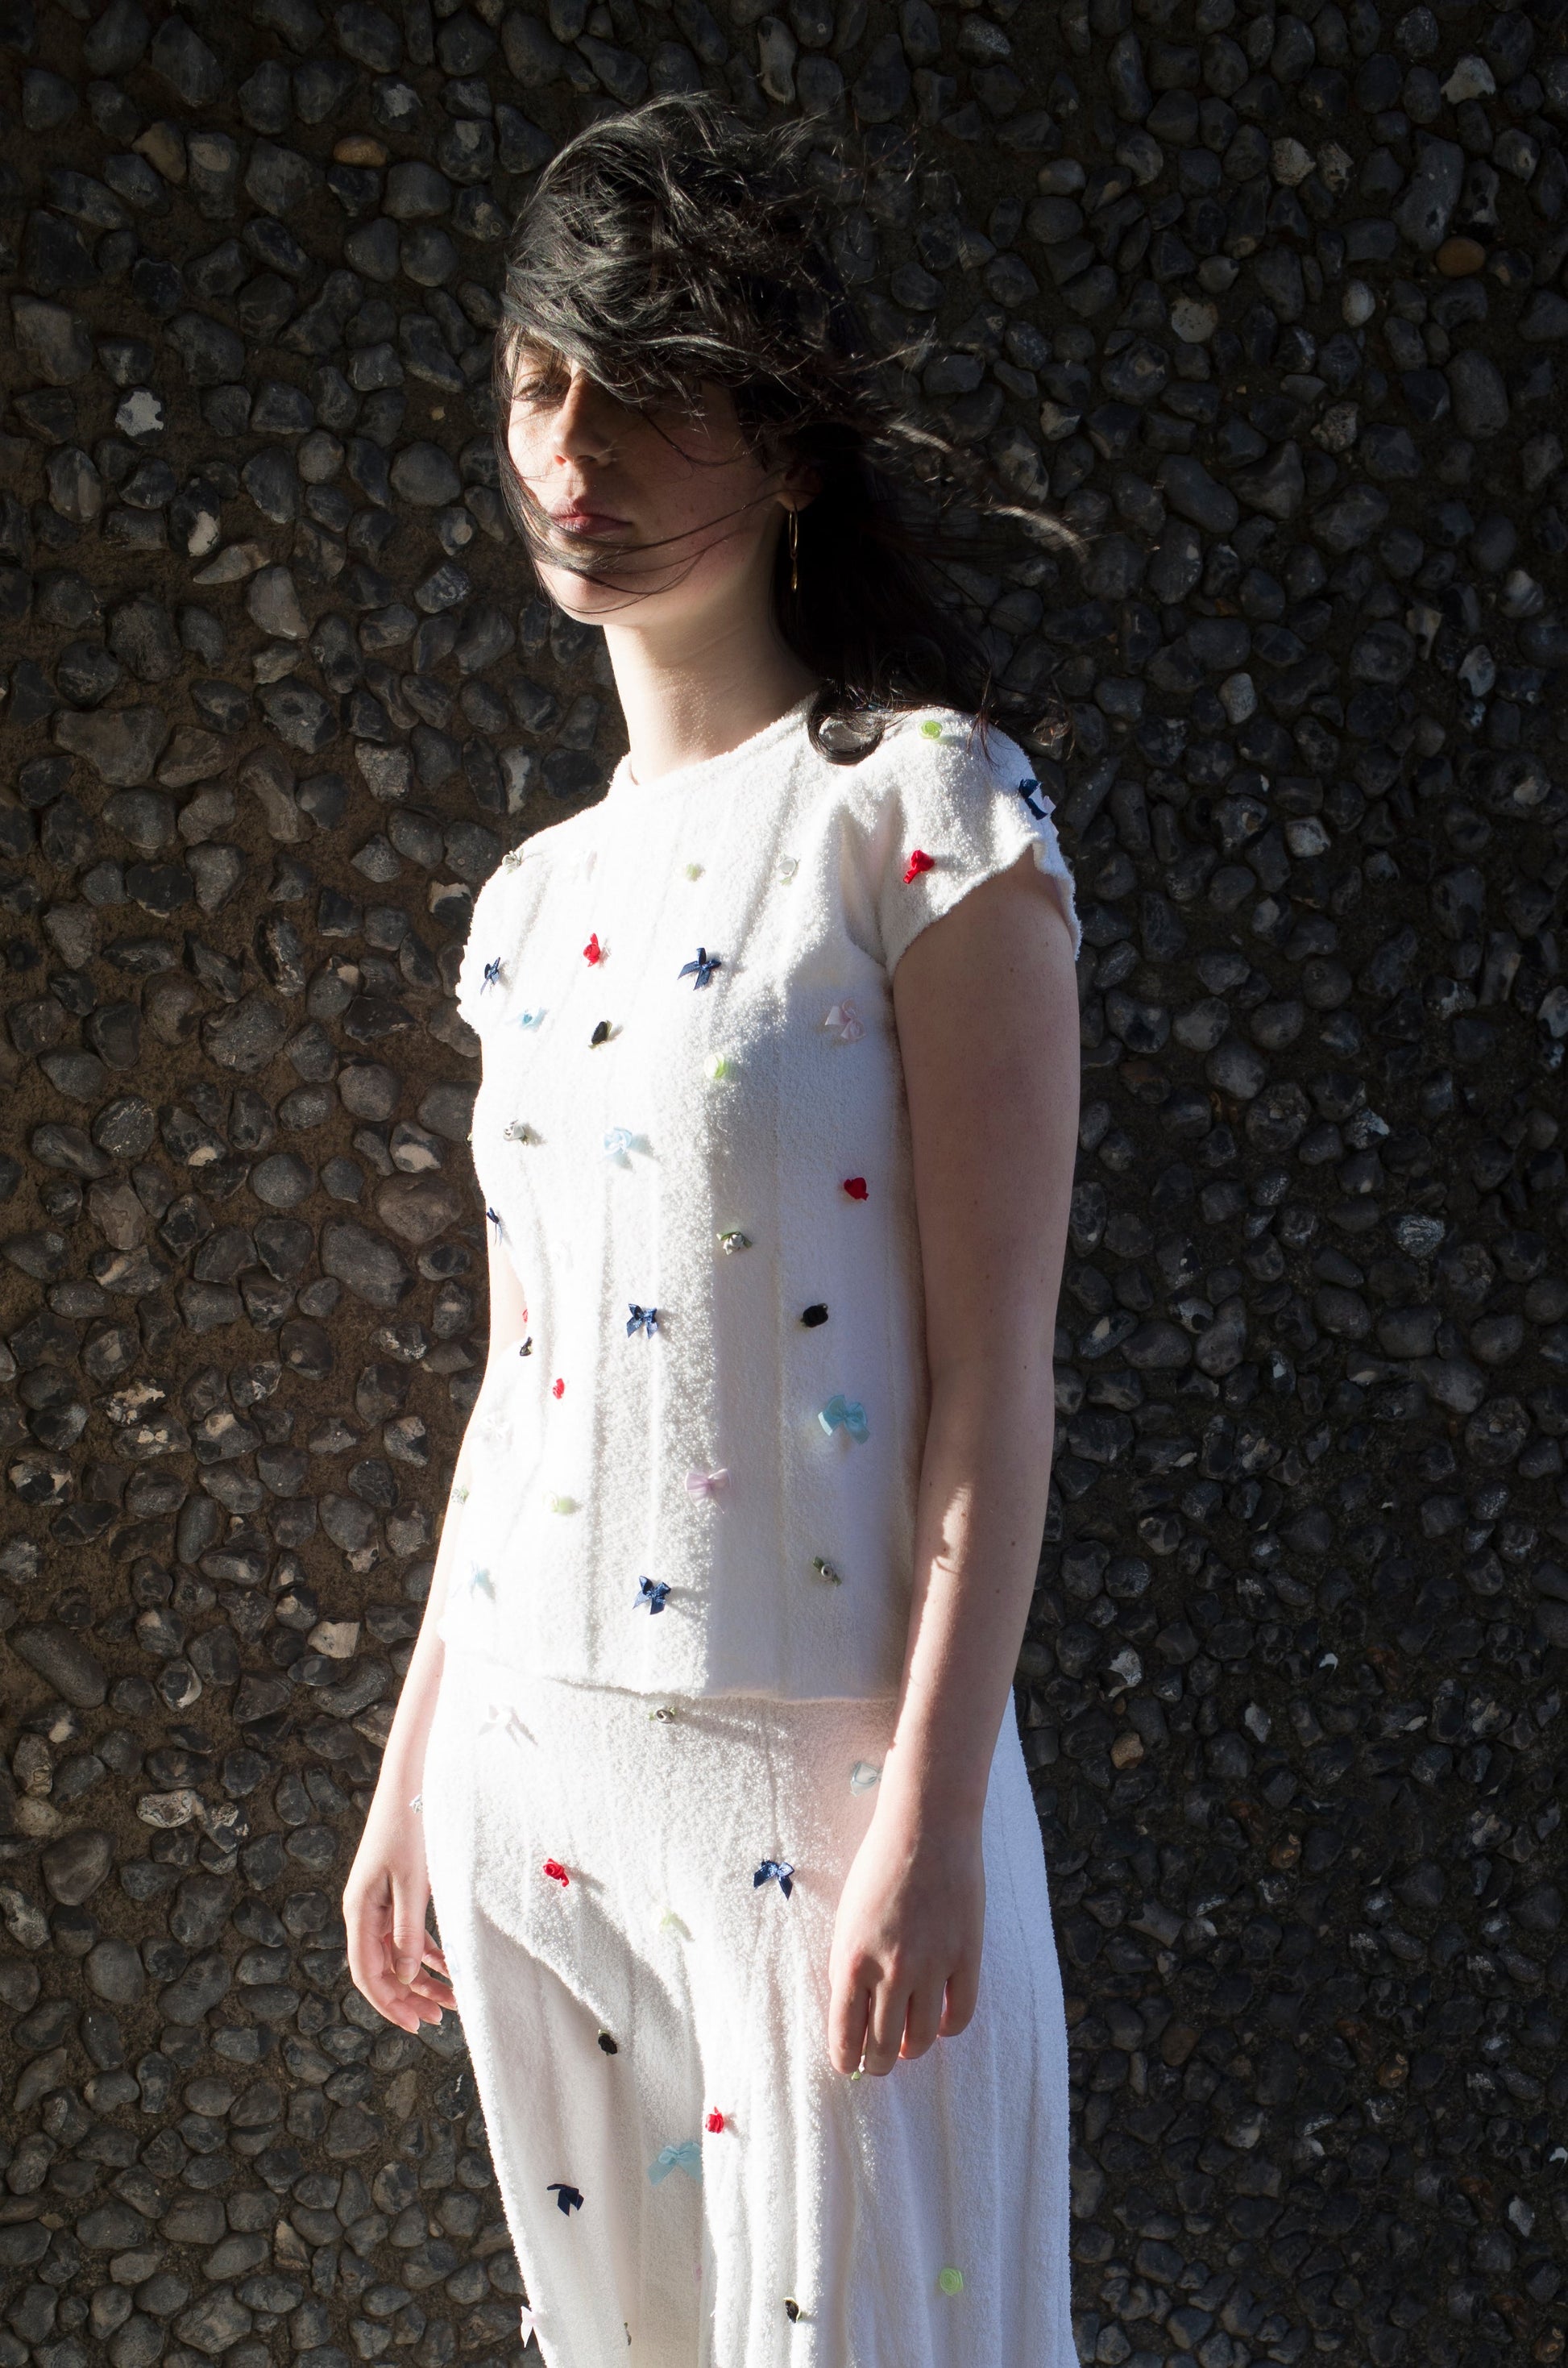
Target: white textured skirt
<point>688,2181</point>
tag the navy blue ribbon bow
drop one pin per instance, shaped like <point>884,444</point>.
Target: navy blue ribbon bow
<point>644,1319</point>
<point>498,1222</point>
<point>653,1592</point>
<point>775,1870</point>
<point>1042,810</point>
<point>570,2199</point>
<point>704,966</point>
<point>491,977</point>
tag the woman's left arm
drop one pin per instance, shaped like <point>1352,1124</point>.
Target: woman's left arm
<point>986,1008</point>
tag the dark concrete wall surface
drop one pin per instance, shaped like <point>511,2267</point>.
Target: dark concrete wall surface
<point>1272,305</point>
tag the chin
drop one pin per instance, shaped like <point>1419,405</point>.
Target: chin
<point>588,603</point>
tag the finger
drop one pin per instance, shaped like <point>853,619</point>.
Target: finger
<point>924,2019</point>
<point>390,1998</point>
<point>848,2010</point>
<point>433,1983</point>
<point>422,2010</point>
<point>890,2007</point>
<point>963,1993</point>
<point>409,1938</point>
<point>430,1982</point>
<point>369,1918</point>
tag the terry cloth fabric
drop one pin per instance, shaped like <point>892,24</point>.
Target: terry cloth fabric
<point>593,1867</point>
<point>693,1142</point>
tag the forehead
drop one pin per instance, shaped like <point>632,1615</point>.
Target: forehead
<point>708,405</point>
<point>534,353</point>
<point>533,358</point>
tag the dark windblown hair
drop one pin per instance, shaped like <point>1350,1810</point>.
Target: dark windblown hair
<point>675,244</point>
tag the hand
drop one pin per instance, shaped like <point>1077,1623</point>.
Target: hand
<point>392,1959</point>
<point>904,1966</point>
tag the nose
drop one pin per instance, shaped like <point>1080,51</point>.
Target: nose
<point>578,431</point>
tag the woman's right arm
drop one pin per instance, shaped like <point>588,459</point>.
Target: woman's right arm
<point>393,1960</point>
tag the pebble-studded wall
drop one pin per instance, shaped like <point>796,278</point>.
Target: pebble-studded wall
<point>1271,303</point>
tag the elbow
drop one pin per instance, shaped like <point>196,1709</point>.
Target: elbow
<point>1015,1382</point>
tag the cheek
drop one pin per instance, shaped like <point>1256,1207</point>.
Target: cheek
<point>711,493</point>
<point>526,449</point>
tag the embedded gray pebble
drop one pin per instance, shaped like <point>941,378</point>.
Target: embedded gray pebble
<point>1271,305</point>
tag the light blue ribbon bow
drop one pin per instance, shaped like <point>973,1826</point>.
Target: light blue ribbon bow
<point>686,2157</point>
<point>845,1414</point>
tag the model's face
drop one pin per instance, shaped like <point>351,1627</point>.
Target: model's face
<point>680,516</point>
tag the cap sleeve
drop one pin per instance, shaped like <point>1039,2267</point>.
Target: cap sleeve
<point>958,809</point>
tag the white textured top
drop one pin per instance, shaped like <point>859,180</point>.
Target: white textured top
<point>692,1134</point>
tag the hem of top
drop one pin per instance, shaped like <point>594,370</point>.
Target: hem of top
<point>500,1672</point>
<point>705,769</point>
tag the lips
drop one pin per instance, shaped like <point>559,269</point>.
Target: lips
<point>585,522</point>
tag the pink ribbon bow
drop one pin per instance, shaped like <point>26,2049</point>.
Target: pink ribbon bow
<point>707,1484</point>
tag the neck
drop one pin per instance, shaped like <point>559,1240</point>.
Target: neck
<point>700,690</point>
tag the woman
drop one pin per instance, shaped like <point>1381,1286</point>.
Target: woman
<point>723,1803</point>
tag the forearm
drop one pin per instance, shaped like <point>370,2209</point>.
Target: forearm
<point>403,1759</point>
<point>981,1512</point>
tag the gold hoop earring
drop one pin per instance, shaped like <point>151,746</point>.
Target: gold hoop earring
<point>794,550</point>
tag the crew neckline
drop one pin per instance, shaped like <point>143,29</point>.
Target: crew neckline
<point>706,769</point>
